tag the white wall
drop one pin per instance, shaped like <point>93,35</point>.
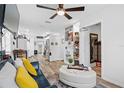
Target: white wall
<point>22,44</point>
<point>57,51</point>
<point>29,46</point>
<point>112,36</point>
<point>113,45</point>
<point>95,29</point>
<point>31,33</point>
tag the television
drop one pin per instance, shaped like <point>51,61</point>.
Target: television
<point>11,18</point>
<point>2,9</point>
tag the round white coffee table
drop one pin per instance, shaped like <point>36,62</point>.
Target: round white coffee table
<point>77,78</point>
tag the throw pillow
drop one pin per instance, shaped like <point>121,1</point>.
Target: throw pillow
<point>24,80</point>
<point>29,66</point>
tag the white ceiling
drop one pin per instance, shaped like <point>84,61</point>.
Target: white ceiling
<point>30,15</point>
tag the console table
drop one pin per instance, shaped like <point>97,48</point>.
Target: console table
<point>19,53</point>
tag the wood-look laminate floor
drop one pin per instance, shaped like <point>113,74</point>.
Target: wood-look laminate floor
<point>51,71</point>
<point>97,69</point>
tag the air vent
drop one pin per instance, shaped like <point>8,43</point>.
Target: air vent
<point>48,22</point>
<point>40,37</point>
<point>84,29</point>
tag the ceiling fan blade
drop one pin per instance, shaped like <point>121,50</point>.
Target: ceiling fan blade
<point>53,16</point>
<point>67,16</point>
<point>75,9</point>
<point>40,6</point>
<point>61,5</point>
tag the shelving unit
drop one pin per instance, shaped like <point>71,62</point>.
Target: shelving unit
<point>76,45</point>
<point>72,44</point>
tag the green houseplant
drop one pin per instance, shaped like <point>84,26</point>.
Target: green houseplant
<point>70,60</point>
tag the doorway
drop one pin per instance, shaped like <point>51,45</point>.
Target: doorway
<point>95,47</point>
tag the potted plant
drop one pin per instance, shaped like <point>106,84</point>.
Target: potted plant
<point>70,60</point>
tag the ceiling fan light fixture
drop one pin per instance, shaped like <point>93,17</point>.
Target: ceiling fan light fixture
<point>61,12</point>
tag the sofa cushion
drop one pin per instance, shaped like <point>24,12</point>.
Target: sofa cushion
<point>29,66</point>
<point>7,76</point>
<point>24,80</point>
<point>41,80</point>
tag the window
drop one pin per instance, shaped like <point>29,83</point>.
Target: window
<point>6,41</point>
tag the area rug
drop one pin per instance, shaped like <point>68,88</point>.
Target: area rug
<point>59,84</point>
<point>54,80</point>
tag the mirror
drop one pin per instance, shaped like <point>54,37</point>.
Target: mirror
<point>93,47</point>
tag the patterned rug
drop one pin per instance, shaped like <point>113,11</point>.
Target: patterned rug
<point>60,84</point>
<point>99,86</point>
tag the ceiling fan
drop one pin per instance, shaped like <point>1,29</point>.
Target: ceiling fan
<point>62,11</point>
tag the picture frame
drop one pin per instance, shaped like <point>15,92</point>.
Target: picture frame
<point>52,43</point>
<point>56,43</point>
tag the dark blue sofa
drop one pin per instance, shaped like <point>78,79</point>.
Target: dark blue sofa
<point>40,78</point>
